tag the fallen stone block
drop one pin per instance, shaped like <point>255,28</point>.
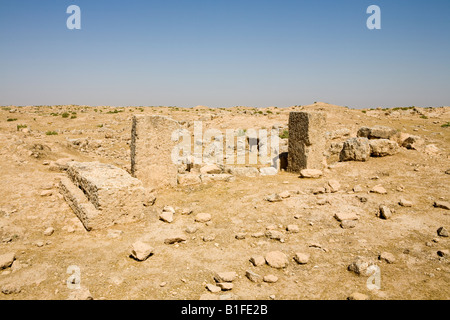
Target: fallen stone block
<point>383,148</point>
<point>355,149</point>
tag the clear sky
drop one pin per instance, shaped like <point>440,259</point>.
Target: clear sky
<point>224,53</point>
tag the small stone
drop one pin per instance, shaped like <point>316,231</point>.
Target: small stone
<point>222,277</point>
<point>175,239</point>
<point>6,260</point>
<point>405,203</point>
<point>11,289</point>
<point>226,286</point>
<point>285,194</point>
<point>209,238</point>
<point>442,205</point>
<point>385,212</point>
<point>240,236</point>
<point>358,296</point>
<point>442,232</point>
<point>270,278</point>
<point>272,297</point>
<point>311,173</point>
<point>341,216</point>
<point>257,260</point>
<point>203,217</point>
<point>191,229</point>
<point>213,288</point>
<point>301,258</point>
<point>277,259</point>
<point>443,253</point>
<point>169,209</point>
<point>49,231</point>
<point>258,235</point>
<point>274,235</point>
<point>348,224</point>
<point>39,243</point>
<point>293,228</point>
<point>387,257</point>
<point>363,199</point>
<point>140,251</point>
<point>359,266</point>
<point>166,217</point>
<point>187,211</point>
<point>46,193</point>
<point>334,186</point>
<point>273,198</point>
<point>163,284</point>
<point>378,189</point>
<point>319,190</point>
<point>357,188</point>
<point>252,276</point>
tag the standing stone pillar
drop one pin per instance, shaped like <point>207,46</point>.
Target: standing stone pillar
<point>306,141</point>
<point>151,151</point>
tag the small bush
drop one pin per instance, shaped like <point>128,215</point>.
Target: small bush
<point>21,126</point>
<point>73,117</point>
<point>446,125</point>
<point>284,134</point>
<point>11,119</point>
<point>423,117</point>
<point>51,133</point>
<point>65,115</point>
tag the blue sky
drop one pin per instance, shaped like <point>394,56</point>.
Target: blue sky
<point>224,53</point>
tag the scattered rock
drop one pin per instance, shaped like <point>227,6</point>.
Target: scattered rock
<point>175,239</point>
<point>222,277</point>
<point>311,173</point>
<point>342,216</point>
<point>270,278</point>
<point>334,186</point>
<point>258,235</point>
<point>268,171</point>
<point>257,260</point>
<point>442,205</point>
<point>209,238</point>
<point>240,236</point>
<point>6,260</point>
<point>46,193</point>
<point>293,228</point>
<point>191,229</point>
<point>226,286</point>
<point>359,266</point>
<point>277,259</point>
<point>274,235</point>
<point>301,258</point>
<point>357,188</point>
<point>377,132</point>
<point>213,288</point>
<point>49,231</point>
<point>413,143</point>
<point>169,209</point>
<point>252,276</point>
<point>443,253</point>
<point>166,217</point>
<point>405,203</point>
<point>348,224</point>
<point>385,212</point>
<point>378,189</point>
<point>10,288</point>
<point>203,217</point>
<point>442,232</point>
<point>285,194</point>
<point>140,251</point>
<point>273,198</point>
<point>387,257</point>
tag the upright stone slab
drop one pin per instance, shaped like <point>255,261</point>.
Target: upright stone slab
<point>102,195</point>
<point>151,151</point>
<point>306,140</point>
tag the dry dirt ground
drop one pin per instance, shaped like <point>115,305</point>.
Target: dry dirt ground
<point>30,203</point>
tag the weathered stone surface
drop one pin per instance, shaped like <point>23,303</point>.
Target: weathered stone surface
<point>342,216</point>
<point>188,179</point>
<point>383,147</point>
<point>334,185</point>
<point>213,288</point>
<point>102,194</point>
<point>413,143</point>
<point>270,278</point>
<point>277,259</point>
<point>355,149</point>
<point>151,150</point>
<point>257,260</point>
<point>254,277</point>
<point>274,235</point>
<point>140,251</point>
<point>385,212</point>
<point>378,189</point>
<point>222,277</point>
<point>377,132</point>
<point>311,173</point>
<point>306,140</point>
<point>6,260</point>
<point>243,171</point>
<point>387,257</point>
<point>348,224</point>
<point>442,205</point>
<point>442,232</point>
<point>175,239</point>
<point>203,217</point>
<point>301,258</point>
<point>273,198</point>
<point>405,203</point>
<point>268,171</point>
<point>166,217</point>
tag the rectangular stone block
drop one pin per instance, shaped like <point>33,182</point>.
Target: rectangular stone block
<point>306,141</point>
<point>151,151</point>
<point>102,195</point>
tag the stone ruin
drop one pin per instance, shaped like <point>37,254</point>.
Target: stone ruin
<point>102,195</point>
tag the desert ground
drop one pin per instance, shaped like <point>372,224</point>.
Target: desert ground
<point>41,237</point>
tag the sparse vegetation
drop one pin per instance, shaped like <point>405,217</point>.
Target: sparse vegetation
<point>21,126</point>
<point>284,134</point>
<point>11,119</point>
<point>423,117</point>
<point>51,133</point>
<point>446,125</point>
<point>65,115</point>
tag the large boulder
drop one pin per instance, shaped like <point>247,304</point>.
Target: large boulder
<point>355,149</point>
<point>383,147</point>
<point>377,132</point>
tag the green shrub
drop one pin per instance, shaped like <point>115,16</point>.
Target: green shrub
<point>51,133</point>
<point>21,126</point>
<point>65,115</point>
<point>423,117</point>
<point>284,134</point>
<point>11,119</point>
<point>73,117</point>
<point>446,125</point>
